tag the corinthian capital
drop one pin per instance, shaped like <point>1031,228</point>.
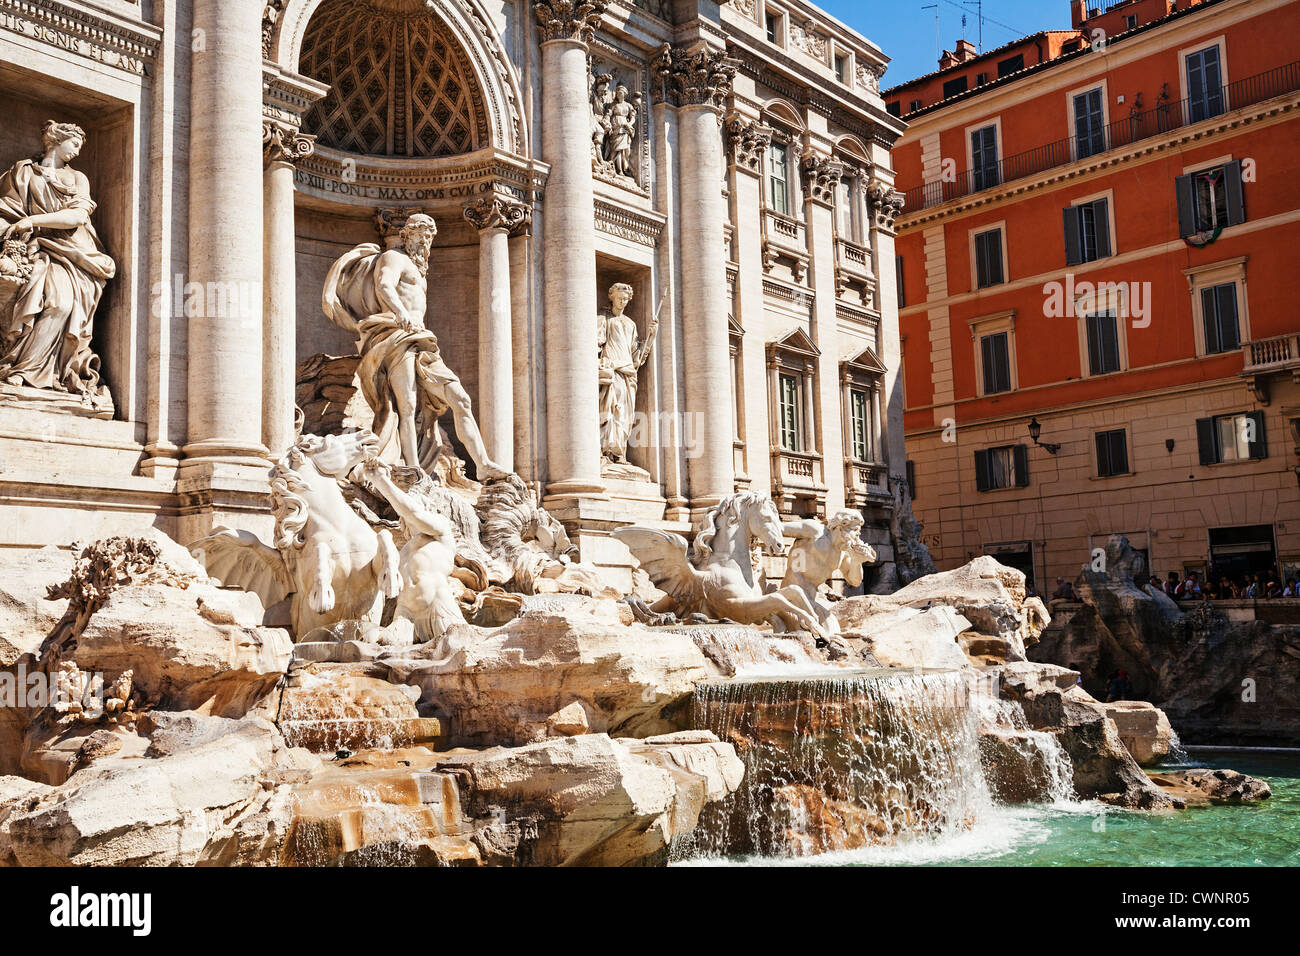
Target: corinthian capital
<point>821,176</point>
<point>284,144</point>
<point>747,141</point>
<point>695,77</point>
<point>497,212</point>
<point>569,19</point>
<point>885,203</point>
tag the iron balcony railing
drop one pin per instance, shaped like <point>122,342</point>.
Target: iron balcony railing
<point>1165,117</point>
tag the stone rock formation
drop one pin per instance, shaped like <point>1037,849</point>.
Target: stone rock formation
<point>1144,728</point>
<point>1201,785</point>
<point>1219,680</point>
<point>507,686</point>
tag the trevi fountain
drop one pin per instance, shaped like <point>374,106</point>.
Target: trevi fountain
<point>431,433</point>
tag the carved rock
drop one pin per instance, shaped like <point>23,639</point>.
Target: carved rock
<point>505,688</point>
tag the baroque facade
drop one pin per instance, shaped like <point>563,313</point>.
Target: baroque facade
<point>725,166</point>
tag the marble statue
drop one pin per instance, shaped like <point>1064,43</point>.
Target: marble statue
<point>529,546</point>
<point>427,606</point>
<point>621,358</point>
<point>53,269</point>
<point>718,578</point>
<point>621,115</point>
<point>381,296</point>
<point>613,126</point>
<point>326,559</point>
<point>819,550</point>
<point>601,98</point>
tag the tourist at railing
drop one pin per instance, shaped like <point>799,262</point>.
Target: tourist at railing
<point>1117,686</point>
<point>1172,585</point>
<point>1064,591</point>
<point>1291,589</point>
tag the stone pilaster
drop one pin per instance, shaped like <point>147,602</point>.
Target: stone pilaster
<point>283,147</point>
<point>698,81</point>
<point>821,178</point>
<point>572,422</point>
<point>495,218</point>
<point>225,337</point>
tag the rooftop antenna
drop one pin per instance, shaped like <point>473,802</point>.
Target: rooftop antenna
<point>938,42</point>
<point>979,17</point>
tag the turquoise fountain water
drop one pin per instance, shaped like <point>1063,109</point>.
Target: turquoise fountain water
<point>881,768</point>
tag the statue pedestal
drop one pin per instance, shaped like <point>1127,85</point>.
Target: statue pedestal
<point>590,523</point>
<point>44,400</point>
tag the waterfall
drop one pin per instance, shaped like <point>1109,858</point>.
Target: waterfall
<point>1039,769</point>
<point>841,762</point>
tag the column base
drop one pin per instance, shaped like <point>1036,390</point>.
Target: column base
<point>201,455</point>
<point>561,491</point>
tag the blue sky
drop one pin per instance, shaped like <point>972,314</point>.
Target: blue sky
<point>906,32</point>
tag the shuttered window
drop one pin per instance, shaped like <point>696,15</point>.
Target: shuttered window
<point>1002,467</point>
<point>1235,437</point>
<point>988,259</point>
<point>1087,232</point>
<point>1219,315</point>
<point>1112,453</point>
<point>1089,125</point>
<point>1204,85</point>
<point>984,158</point>
<point>1210,199</point>
<point>995,355</point>
<point>1103,343</point>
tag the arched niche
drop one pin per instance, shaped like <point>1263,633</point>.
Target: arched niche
<point>288,23</point>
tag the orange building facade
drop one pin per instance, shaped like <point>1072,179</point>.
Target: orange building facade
<point>1097,263</point>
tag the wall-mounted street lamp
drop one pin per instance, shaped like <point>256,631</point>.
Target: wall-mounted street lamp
<point>1035,429</point>
<point>1169,445</point>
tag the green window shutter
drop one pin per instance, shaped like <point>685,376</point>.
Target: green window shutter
<point>1072,229</point>
<point>1259,447</point>
<point>1186,192</point>
<point>1205,442</point>
<point>983,477</point>
<point>1020,455</point>
<point>1101,214</point>
<point>1236,198</point>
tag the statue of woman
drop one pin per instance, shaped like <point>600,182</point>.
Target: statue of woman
<point>621,358</point>
<point>621,119</point>
<point>56,266</point>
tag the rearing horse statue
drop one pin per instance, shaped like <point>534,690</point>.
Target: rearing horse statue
<point>718,579</point>
<point>326,558</point>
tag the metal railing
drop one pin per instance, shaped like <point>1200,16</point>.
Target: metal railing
<point>1164,117</point>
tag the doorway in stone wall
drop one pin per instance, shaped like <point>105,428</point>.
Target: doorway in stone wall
<point>1243,550</point>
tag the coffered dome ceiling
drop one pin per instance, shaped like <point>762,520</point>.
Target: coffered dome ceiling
<point>399,83</point>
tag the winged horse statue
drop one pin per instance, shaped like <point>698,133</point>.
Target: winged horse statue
<point>326,559</point>
<point>718,579</point>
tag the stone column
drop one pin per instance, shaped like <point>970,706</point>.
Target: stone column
<point>572,419</point>
<point>495,217</point>
<point>225,334</point>
<point>698,81</point>
<point>284,146</point>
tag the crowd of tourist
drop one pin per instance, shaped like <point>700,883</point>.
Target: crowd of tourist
<point>1244,588</point>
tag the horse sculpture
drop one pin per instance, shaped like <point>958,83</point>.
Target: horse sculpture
<point>330,563</point>
<point>718,580</point>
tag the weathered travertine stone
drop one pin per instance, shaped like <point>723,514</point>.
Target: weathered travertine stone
<point>223,802</point>
<point>593,801</point>
<point>1143,727</point>
<point>26,616</point>
<point>504,688</point>
<point>989,594</point>
<point>1202,785</point>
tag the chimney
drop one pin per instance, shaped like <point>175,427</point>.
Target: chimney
<point>1078,12</point>
<point>966,51</point>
